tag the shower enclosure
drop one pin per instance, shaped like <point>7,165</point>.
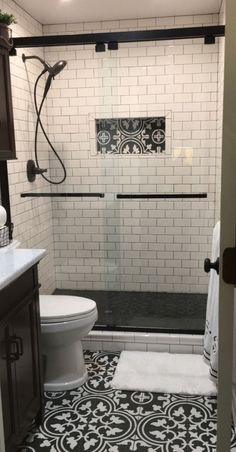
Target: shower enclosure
<point>138,129</point>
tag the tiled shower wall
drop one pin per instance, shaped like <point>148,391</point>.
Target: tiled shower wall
<point>32,218</point>
<point>143,245</point>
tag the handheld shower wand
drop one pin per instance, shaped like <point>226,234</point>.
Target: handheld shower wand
<point>54,70</point>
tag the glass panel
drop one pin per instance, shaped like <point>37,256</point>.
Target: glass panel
<point>139,120</point>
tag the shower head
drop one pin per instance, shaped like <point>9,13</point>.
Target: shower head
<point>57,68</point>
<point>52,70</point>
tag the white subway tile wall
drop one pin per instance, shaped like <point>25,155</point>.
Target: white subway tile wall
<point>32,218</point>
<point>153,342</point>
<point>106,243</point>
<point>145,245</point>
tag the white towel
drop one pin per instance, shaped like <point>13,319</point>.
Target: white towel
<point>211,328</point>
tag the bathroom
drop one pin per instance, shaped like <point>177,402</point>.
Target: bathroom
<point>131,224</point>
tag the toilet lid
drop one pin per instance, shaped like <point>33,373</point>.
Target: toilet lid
<point>64,307</point>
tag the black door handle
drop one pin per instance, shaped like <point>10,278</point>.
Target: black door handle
<point>208,265</point>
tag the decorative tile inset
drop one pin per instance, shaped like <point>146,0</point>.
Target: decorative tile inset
<point>97,418</point>
<point>131,135</point>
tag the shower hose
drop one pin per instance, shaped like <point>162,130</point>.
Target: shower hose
<point>39,122</point>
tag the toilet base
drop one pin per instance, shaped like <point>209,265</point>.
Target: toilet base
<point>65,386</point>
<point>64,366</point>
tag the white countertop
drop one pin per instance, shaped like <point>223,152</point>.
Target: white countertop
<point>14,262</point>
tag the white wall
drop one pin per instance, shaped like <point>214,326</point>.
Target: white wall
<point>131,245</point>
<point>32,217</point>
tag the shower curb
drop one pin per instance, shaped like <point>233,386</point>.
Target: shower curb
<point>155,342</point>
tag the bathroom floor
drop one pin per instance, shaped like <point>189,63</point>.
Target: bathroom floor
<point>147,311</point>
<point>96,418</point>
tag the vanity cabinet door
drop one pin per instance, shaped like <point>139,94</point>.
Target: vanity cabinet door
<point>25,327</point>
<point>7,137</point>
<point>20,358</point>
<point>8,355</point>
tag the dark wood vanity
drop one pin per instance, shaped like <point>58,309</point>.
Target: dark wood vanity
<point>20,357</point>
<point>20,354</point>
<point>7,137</point>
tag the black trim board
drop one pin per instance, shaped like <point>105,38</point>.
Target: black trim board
<point>124,36</point>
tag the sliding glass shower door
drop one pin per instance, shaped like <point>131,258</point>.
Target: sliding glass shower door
<point>140,138</point>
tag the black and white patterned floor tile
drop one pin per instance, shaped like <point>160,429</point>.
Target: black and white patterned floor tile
<point>96,418</point>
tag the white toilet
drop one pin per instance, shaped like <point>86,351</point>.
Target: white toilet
<point>65,320</point>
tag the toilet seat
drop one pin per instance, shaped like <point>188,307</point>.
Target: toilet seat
<point>65,308</point>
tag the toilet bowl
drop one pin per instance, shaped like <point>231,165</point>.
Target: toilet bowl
<point>65,320</point>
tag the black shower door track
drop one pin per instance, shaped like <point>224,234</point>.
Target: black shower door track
<point>135,329</point>
<point>208,33</point>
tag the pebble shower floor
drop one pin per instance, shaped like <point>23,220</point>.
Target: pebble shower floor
<point>96,418</point>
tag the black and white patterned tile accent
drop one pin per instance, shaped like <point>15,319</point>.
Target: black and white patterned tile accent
<point>96,418</point>
<point>131,135</point>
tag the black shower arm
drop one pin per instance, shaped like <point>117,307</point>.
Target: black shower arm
<point>47,67</point>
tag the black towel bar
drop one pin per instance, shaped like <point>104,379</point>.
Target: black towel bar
<point>160,195</point>
<point>64,195</point>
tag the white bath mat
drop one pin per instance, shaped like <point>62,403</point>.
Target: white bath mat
<point>163,372</point>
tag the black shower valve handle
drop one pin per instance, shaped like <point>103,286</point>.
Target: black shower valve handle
<point>208,265</point>
<point>33,170</point>
<point>40,170</point>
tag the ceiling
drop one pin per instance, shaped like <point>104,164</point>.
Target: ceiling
<point>71,11</point>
